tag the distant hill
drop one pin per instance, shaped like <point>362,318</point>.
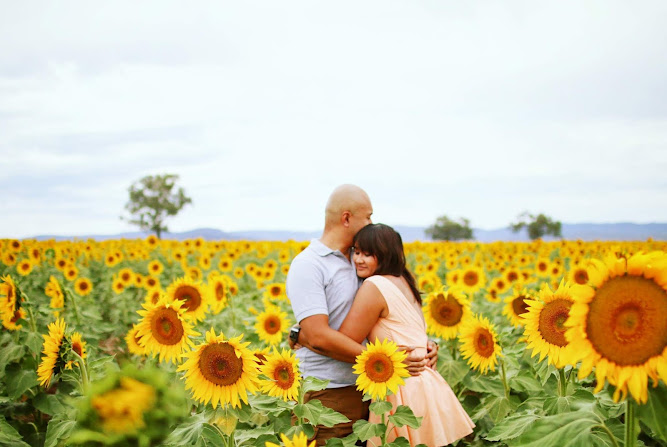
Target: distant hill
<point>583,231</point>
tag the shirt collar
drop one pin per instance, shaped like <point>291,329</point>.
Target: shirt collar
<point>322,250</point>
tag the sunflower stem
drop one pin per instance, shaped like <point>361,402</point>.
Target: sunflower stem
<point>630,432</point>
<point>85,380</point>
<point>383,437</point>
<point>74,306</point>
<point>503,377</point>
<point>33,324</point>
<point>605,429</point>
<point>562,383</point>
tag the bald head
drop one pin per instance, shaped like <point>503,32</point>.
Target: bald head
<point>346,198</point>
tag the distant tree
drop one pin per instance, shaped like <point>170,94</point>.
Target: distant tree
<point>153,199</point>
<point>447,229</point>
<point>537,226</point>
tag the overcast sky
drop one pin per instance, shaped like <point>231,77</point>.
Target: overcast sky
<point>469,108</point>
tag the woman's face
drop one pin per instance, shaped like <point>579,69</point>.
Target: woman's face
<point>365,264</point>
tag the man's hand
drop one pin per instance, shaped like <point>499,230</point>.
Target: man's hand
<point>415,363</point>
<point>432,354</point>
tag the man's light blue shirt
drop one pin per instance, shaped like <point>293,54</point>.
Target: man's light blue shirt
<point>322,281</point>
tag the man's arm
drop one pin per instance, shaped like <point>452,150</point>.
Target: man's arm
<point>316,334</point>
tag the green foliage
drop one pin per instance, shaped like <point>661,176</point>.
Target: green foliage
<point>153,199</point>
<point>447,229</point>
<point>537,226</point>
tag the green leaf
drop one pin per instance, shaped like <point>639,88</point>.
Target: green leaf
<point>399,442</point>
<point>10,354</point>
<point>313,384</point>
<point>482,384</point>
<point>580,400</point>
<point>9,436</point>
<point>307,429</point>
<point>381,407</point>
<point>263,439</point>
<point>318,414</point>
<point>511,427</point>
<point>268,405</point>
<point>405,416</point>
<point>654,412</point>
<point>348,441</point>
<point>562,430</point>
<point>34,342</point>
<point>189,433</point>
<point>58,429</point>
<point>49,404</point>
<point>453,371</point>
<point>525,381</point>
<point>366,430</point>
<point>19,381</point>
<point>495,407</point>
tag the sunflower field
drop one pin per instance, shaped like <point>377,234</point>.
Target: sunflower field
<point>184,343</point>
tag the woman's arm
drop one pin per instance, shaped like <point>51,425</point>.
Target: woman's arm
<point>368,306</point>
<point>345,344</point>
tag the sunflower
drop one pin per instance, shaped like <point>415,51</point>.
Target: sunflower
<point>132,340</point>
<point>164,330</point>
<point>55,292</point>
<point>472,279</point>
<point>193,295</point>
<point>118,286</point>
<point>219,291</point>
<point>578,274</point>
<point>53,350</point>
<point>444,312</point>
<point>153,295</point>
<point>225,264</point>
<point>71,272</point>
<point>9,319</point>
<point>151,282</point>
<point>282,371</point>
<point>155,268</point>
<point>275,291</point>
<point>298,440</point>
<point>617,323</point>
<point>126,276</point>
<point>194,273</point>
<point>9,258</point>
<point>83,286</point>
<point>8,295</point>
<point>428,282</point>
<point>238,273</point>
<point>479,344</point>
<point>380,368</point>
<point>220,371</point>
<point>24,268</point>
<point>78,346</point>
<point>121,409</point>
<point>516,306</point>
<point>271,325</point>
<point>545,323</point>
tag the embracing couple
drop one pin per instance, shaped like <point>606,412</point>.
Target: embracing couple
<point>352,285</point>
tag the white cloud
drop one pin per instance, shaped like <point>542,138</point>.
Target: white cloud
<point>472,109</point>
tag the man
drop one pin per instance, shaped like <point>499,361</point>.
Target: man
<point>321,285</point>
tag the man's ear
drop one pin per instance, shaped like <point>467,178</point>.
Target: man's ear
<point>345,218</point>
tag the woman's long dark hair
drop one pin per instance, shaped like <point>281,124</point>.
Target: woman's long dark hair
<point>386,245</point>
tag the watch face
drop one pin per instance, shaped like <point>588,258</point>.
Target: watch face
<point>294,335</point>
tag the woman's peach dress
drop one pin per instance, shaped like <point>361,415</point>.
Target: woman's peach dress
<point>428,395</point>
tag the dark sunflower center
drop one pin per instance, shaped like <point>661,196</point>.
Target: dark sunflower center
<point>284,376</point>
<point>581,276</point>
<point>379,368</point>
<point>512,276</point>
<point>190,297</point>
<point>219,364</point>
<point>272,324</point>
<point>83,286</point>
<point>275,290</point>
<point>166,327</point>
<point>470,278</point>
<point>446,311</point>
<point>16,317</point>
<point>542,266</point>
<point>76,347</point>
<point>125,276</point>
<point>484,343</point>
<point>552,321</point>
<point>626,321</point>
<point>519,305</point>
<point>219,291</point>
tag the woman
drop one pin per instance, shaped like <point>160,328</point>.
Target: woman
<point>388,306</point>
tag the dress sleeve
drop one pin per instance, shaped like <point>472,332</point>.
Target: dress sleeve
<point>305,289</point>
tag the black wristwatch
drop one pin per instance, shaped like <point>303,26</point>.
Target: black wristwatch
<point>294,333</point>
